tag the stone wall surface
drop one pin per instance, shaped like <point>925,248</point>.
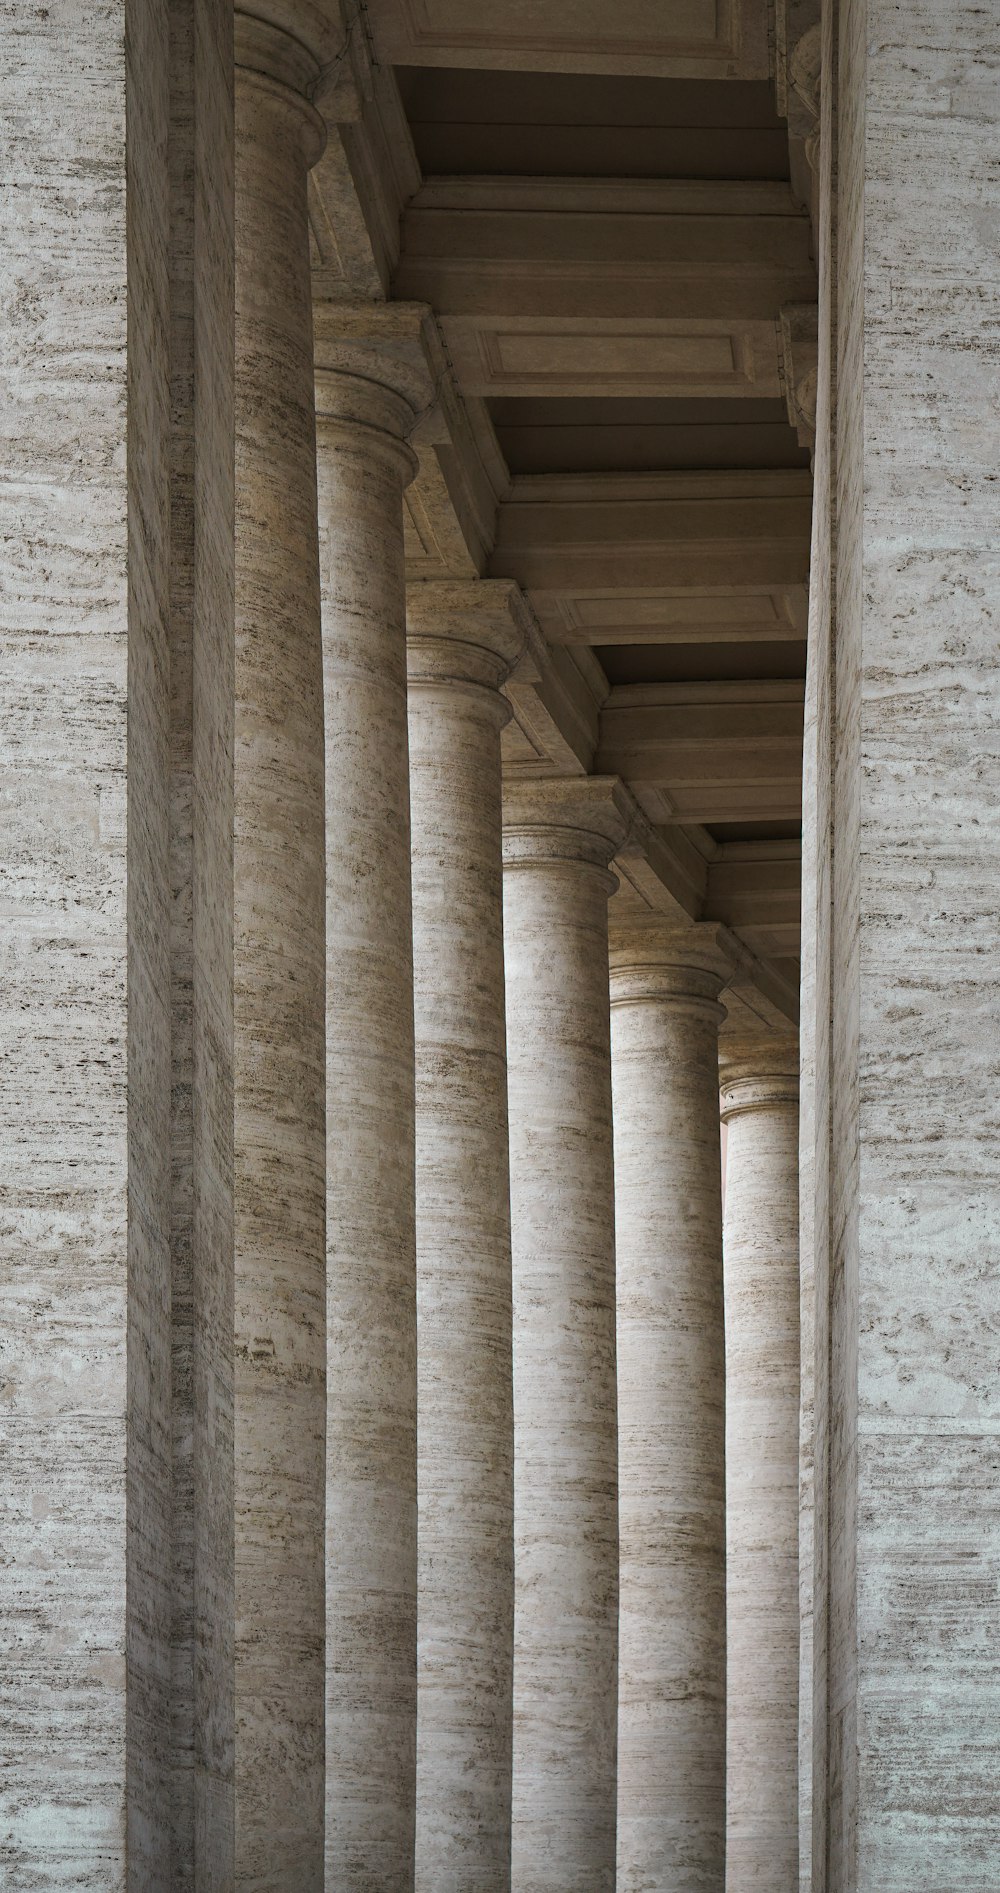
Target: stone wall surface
<point>85,1053</point>
<point>814,1035</point>
<point>915,1531</point>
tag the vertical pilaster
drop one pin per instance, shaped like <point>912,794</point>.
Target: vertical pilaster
<point>760,1098</point>
<point>665,1015</point>
<point>906,1105</point>
<point>462,640</point>
<point>364,414</point>
<point>559,838</point>
<point>279,983</point>
<point>95,578</point>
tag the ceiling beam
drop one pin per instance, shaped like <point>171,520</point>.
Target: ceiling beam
<point>655,532</point>
<point>754,888</point>
<point>592,250</point>
<point>718,752</point>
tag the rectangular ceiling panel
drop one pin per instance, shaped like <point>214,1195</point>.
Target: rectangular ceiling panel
<point>711,39</point>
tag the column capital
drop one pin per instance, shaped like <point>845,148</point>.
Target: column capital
<point>271,55</point>
<point>758,1077</point>
<point>798,347</point>
<point>582,819</point>
<point>316,27</point>
<point>467,632</point>
<point>652,958</point>
<point>374,369</point>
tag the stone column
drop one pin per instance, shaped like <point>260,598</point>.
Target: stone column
<point>559,837</point>
<point>203,707</point>
<point>665,1015</point>
<point>280,1245</point>
<point>462,641</point>
<point>363,415</point>
<point>760,1096</point>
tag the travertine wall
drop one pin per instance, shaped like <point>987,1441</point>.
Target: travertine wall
<point>814,1036</point>
<point>86,982</point>
<point>911,1109</point>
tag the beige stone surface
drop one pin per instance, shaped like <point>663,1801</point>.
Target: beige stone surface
<point>84,1040</point>
<point>760,1096</point>
<point>656,532</point>
<point>690,38</point>
<point>607,251</point>
<point>280,1242</point>
<point>461,641</point>
<point>558,839</point>
<point>371,1570</point>
<point>910,1112</point>
<point>665,1018</point>
<point>202,658</point>
<point>814,1056</point>
<point>710,746</point>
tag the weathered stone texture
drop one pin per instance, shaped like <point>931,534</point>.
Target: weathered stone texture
<point>371,1513</point>
<point>85,1036</point>
<point>279,988</point>
<point>915,1543</point>
<point>558,839</point>
<point>671,1413</point>
<point>760,1106</point>
<point>814,1046</point>
<point>462,641</point>
<point>201,842</point>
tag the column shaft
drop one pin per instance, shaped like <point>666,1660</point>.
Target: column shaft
<point>760,1107</point>
<point>462,639</point>
<point>556,888</point>
<point>371,1311</point>
<point>202,691</point>
<point>671,1418</point>
<point>280,1301</point>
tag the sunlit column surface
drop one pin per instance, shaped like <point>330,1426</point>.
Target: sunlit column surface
<point>559,838</point>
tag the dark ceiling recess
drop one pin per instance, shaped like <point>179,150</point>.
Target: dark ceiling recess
<point>755,831</point>
<point>702,663</point>
<point>644,436</point>
<point>577,125</point>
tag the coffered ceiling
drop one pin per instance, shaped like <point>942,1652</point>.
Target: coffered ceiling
<point>598,206</point>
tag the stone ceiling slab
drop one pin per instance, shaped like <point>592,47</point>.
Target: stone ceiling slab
<point>656,533</point>
<point>677,251</point>
<point>659,38</point>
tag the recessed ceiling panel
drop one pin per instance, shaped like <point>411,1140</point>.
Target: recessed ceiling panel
<point>661,38</point>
